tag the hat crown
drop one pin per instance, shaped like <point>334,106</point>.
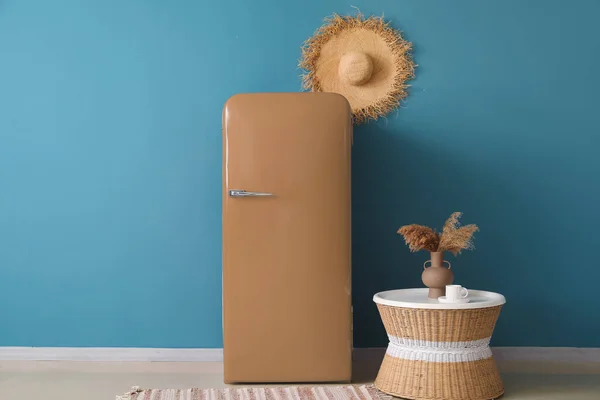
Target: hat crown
<point>355,68</point>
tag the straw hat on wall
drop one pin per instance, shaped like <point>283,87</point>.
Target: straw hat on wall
<point>365,60</point>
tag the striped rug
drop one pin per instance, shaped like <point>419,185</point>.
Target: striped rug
<point>275,393</point>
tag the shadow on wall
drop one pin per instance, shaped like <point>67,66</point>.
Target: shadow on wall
<point>399,179</point>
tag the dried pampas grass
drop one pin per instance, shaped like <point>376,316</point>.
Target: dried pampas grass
<point>373,99</point>
<point>454,238</point>
<point>419,237</point>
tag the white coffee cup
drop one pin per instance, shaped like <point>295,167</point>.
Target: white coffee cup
<point>456,292</point>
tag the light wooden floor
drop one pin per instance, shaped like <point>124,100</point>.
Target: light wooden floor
<point>62,380</point>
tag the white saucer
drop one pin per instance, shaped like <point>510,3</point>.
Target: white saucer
<point>443,299</point>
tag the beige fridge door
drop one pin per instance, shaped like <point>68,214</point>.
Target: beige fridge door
<point>286,249</point>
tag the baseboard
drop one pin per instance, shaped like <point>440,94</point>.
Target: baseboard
<point>558,354</point>
<point>108,354</point>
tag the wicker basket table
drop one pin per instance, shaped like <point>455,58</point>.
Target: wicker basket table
<point>439,351</point>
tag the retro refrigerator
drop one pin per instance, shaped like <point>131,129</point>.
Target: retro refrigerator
<point>286,238</point>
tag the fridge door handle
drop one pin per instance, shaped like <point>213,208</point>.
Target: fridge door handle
<point>245,193</point>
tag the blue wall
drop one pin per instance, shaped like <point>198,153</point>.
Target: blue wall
<point>110,161</point>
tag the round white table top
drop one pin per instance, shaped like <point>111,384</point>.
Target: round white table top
<point>417,298</point>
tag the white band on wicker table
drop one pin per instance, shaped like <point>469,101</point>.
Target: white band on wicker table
<point>446,352</point>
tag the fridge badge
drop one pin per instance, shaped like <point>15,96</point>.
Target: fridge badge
<point>363,59</point>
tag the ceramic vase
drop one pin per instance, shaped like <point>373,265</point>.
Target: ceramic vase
<point>437,276</point>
